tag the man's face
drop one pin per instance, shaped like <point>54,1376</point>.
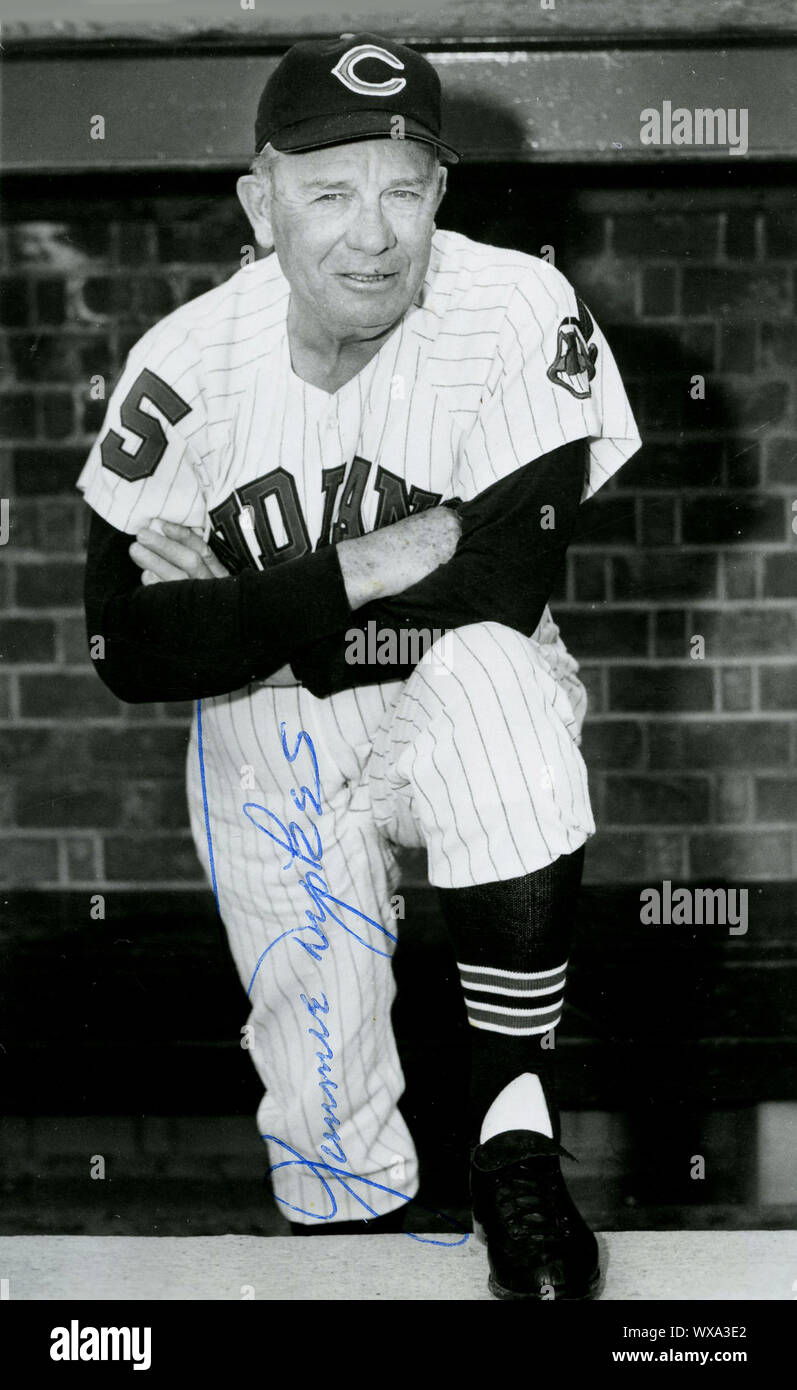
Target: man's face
<point>352,228</point>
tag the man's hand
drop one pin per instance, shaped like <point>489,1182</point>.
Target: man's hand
<point>182,554</point>
<point>178,554</point>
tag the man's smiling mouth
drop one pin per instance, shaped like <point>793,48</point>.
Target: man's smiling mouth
<point>374,278</point>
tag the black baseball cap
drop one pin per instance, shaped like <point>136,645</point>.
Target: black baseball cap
<point>332,91</point>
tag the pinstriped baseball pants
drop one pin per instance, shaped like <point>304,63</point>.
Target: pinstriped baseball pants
<point>477,759</point>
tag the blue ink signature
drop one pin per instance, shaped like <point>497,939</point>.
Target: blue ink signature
<point>312,882</point>
<point>315,886</point>
<point>345,1177</point>
<point>314,1008</point>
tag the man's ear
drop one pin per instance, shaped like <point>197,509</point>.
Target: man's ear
<point>442,179</point>
<point>254,195</point>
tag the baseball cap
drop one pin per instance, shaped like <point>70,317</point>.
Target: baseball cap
<point>332,91</point>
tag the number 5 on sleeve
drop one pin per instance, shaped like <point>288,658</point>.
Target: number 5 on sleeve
<point>149,429</point>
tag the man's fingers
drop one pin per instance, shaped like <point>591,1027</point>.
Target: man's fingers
<point>194,542</point>
<point>186,558</point>
<point>180,554</point>
<point>209,566</point>
<point>185,536</point>
<point>216,567</point>
<point>185,548</point>
<point>152,560</point>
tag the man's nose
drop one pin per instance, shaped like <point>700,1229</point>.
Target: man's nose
<point>369,230</point>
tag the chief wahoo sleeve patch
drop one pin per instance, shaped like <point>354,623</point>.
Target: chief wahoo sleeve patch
<point>574,364</point>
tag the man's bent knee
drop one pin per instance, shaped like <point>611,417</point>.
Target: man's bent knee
<point>480,652</point>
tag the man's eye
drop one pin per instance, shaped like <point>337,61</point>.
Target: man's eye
<point>405,193</point>
<point>328,197</point>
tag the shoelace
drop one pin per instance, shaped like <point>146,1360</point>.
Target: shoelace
<point>529,1198</point>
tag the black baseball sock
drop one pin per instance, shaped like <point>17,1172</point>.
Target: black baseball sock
<point>512,940</point>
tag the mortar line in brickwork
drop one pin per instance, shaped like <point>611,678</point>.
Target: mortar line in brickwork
<point>722,254</point>
<point>63,867</point>
<point>679,663</point>
<point>714,801</point>
<point>141,885</point>
<point>707,604</point>
<point>62,662</point>
<point>679,717</point>
<point>644,750</point>
<point>35,832</point>
<point>683,845</point>
<point>637,521</point>
<point>13,697</point>
<point>34,611</point>
<point>678,828</point>
<point>77,721</point>
<point>570,578</point>
<point>93,836</point>
<point>99,857</point>
<point>683,663</point>
<point>608,580</point>
<point>675,436</point>
<point>752,547</point>
<point>677,520</point>
<point>77,885</point>
<point>624,548</point>
<point>671,201</point>
<point>102,884</point>
<point>722,577</point>
<point>716,679</point>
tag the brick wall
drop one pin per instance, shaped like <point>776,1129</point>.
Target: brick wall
<point>692,762</point>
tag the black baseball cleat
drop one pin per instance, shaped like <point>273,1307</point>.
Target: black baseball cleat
<point>538,1244</point>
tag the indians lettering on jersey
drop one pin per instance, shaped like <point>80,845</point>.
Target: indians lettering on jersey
<point>262,523</point>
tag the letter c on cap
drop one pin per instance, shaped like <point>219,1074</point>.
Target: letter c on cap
<point>344,70</point>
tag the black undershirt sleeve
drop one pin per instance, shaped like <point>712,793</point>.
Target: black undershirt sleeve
<point>504,570</point>
<point>191,638</point>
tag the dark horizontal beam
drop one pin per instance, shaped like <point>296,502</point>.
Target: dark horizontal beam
<point>509,104</point>
<point>264,43</point>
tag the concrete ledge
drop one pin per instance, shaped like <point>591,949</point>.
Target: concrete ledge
<point>688,1265</point>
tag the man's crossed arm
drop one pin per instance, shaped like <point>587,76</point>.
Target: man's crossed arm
<point>199,635</point>
<point>176,627</point>
<point>514,538</point>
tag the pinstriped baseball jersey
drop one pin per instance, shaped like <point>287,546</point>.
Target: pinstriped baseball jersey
<point>496,363</point>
